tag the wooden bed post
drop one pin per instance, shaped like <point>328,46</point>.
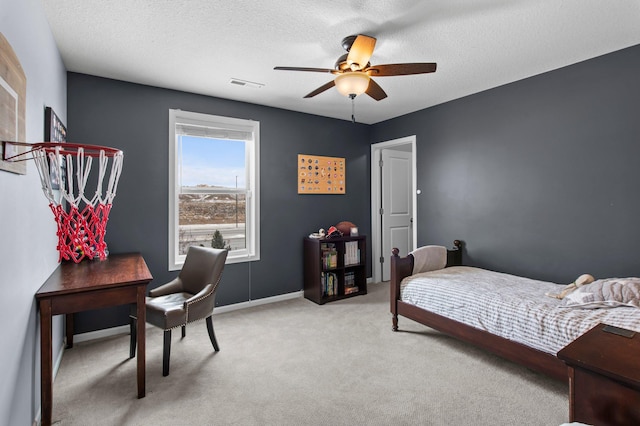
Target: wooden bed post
<point>394,291</point>
<point>402,267</point>
<point>454,256</point>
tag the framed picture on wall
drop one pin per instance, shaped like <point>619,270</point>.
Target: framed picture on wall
<point>13,96</point>
<point>321,175</point>
<point>55,131</point>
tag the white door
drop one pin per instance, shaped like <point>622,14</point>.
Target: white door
<point>397,208</point>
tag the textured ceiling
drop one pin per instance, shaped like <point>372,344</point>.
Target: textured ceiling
<point>200,45</point>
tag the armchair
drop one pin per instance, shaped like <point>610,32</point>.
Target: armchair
<point>189,297</point>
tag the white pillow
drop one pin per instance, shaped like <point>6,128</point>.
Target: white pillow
<point>605,293</point>
<point>429,258</point>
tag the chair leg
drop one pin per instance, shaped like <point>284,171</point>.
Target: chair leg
<point>184,331</point>
<point>212,335</point>
<point>166,353</point>
<point>134,334</point>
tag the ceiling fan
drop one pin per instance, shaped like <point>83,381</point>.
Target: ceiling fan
<point>353,70</point>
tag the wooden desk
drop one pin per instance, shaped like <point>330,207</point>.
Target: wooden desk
<point>91,284</point>
<point>604,378</point>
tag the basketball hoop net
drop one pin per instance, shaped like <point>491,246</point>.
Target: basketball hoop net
<point>64,170</point>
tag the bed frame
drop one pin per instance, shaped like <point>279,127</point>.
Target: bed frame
<point>534,359</point>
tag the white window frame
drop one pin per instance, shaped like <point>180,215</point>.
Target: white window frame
<point>176,116</point>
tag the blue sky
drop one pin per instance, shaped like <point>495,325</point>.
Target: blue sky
<point>212,162</point>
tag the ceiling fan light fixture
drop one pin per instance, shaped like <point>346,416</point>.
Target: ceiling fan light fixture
<point>352,83</point>
<point>353,70</point>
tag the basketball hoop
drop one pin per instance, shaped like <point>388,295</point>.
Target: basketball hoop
<point>64,170</point>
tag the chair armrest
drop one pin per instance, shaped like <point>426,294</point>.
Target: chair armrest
<point>201,304</point>
<point>174,286</point>
<point>199,295</point>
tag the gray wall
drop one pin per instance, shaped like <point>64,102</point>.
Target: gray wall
<point>539,177</point>
<point>28,237</point>
<point>134,118</point>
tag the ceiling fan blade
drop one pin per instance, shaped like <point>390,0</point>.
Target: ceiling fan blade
<point>361,51</point>
<point>321,89</point>
<point>328,70</point>
<point>401,69</point>
<point>375,91</point>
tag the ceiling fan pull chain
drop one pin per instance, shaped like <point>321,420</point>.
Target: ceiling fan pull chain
<point>353,108</point>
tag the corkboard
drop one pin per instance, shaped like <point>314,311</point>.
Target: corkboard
<point>321,175</point>
<point>13,91</point>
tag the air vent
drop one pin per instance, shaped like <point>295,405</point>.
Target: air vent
<point>245,83</point>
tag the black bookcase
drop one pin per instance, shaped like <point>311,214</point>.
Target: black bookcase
<point>334,268</point>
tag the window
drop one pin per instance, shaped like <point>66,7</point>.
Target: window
<point>214,195</point>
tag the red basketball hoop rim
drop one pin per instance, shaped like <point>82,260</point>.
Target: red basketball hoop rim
<point>64,149</point>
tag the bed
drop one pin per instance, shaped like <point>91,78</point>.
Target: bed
<point>513,317</point>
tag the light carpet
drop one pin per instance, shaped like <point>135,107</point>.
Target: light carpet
<point>297,363</point>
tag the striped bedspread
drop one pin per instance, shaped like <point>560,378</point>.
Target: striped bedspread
<point>509,306</point>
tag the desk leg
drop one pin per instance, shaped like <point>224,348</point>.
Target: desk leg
<point>141,324</point>
<point>46,370</point>
<point>68,321</point>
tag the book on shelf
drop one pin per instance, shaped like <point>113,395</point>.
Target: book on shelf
<point>351,290</point>
<point>351,253</point>
<point>350,283</point>
<point>329,256</point>
<point>329,282</point>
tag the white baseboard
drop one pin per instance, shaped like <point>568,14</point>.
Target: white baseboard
<point>99,334</point>
<point>258,302</point>
<point>124,329</point>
